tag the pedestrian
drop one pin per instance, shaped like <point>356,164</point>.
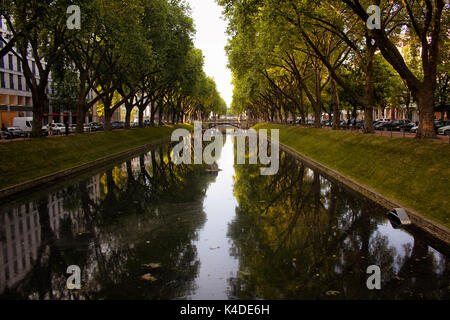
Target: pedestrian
<point>50,130</point>
<point>2,132</point>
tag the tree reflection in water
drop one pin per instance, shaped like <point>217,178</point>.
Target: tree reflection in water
<point>299,236</point>
<point>145,211</point>
<point>296,235</point>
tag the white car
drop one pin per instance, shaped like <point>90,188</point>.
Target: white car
<point>444,131</point>
<point>73,128</point>
<point>57,128</point>
<point>16,132</point>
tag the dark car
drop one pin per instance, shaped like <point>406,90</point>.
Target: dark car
<point>117,125</point>
<point>395,125</point>
<point>95,126</point>
<point>381,125</point>
<point>401,124</point>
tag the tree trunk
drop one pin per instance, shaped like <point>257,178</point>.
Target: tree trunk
<point>174,114</point>
<point>128,110</point>
<point>336,107</point>
<point>425,104</point>
<point>141,117</point>
<point>81,115</point>
<point>370,87</point>
<point>152,115</point>
<point>108,116</point>
<point>318,104</point>
<point>40,101</point>
<point>160,115</point>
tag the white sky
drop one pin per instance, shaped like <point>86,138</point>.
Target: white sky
<point>211,38</point>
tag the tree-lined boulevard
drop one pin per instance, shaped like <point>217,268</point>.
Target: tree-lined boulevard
<point>133,53</point>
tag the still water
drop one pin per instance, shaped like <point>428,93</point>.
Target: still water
<point>144,228</point>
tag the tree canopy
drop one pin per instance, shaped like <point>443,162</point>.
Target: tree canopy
<point>136,54</point>
<point>294,58</point>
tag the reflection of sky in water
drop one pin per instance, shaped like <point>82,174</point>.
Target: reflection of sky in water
<point>400,240</point>
<point>396,238</point>
<point>213,244</point>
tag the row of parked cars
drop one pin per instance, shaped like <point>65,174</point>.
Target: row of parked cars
<point>442,127</point>
<point>60,128</point>
<point>24,131</point>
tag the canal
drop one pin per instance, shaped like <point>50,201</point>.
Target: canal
<point>145,228</point>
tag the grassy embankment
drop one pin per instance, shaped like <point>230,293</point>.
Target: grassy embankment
<point>416,173</point>
<point>25,160</point>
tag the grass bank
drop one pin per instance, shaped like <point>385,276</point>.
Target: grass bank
<point>413,172</point>
<point>26,160</point>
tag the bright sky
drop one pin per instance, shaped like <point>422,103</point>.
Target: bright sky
<point>211,38</point>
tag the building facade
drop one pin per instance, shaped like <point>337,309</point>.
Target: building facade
<point>15,95</point>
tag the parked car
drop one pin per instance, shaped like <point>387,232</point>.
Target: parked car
<point>401,124</point>
<point>395,125</point>
<point>16,132</point>
<point>118,125</point>
<point>441,124</point>
<point>5,135</point>
<point>57,128</point>
<point>23,123</point>
<point>381,125</point>
<point>95,126</point>
<point>444,130</point>
<point>73,128</point>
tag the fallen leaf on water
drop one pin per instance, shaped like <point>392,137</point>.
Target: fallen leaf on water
<point>152,265</point>
<point>148,277</point>
<point>332,293</point>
